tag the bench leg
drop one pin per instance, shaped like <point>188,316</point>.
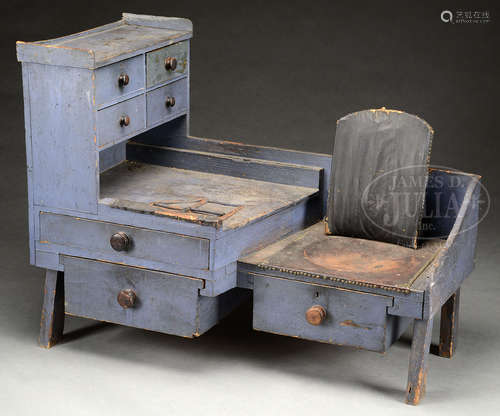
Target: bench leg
<point>449,326</point>
<point>419,357</point>
<point>52,322</point>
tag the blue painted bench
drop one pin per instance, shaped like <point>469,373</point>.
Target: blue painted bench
<point>138,223</point>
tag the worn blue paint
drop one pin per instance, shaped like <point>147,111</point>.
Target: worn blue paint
<point>419,360</point>
<point>87,237</point>
<point>157,111</point>
<point>112,156</point>
<point>52,321</point>
<point>456,261</point>
<point>73,104</point>
<point>29,162</point>
<point>165,302</point>
<point>65,230</point>
<point>106,80</point>
<point>104,45</point>
<point>237,166</point>
<point>174,23</point>
<point>281,297</point>
<point>442,277</point>
<point>353,318</point>
<point>156,72</point>
<point>232,148</point>
<point>109,130</point>
<point>187,274</point>
<point>68,123</point>
<point>62,133</point>
<point>236,243</point>
<point>444,197</point>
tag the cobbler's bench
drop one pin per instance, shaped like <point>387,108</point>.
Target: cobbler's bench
<point>109,156</point>
<point>140,224</point>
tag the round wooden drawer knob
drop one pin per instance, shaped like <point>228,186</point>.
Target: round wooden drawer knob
<point>123,80</point>
<point>315,315</point>
<point>170,63</point>
<point>126,298</point>
<point>170,102</point>
<point>124,121</point>
<point>120,241</point>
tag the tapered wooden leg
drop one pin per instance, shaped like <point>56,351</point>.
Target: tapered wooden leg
<point>52,322</point>
<point>449,326</point>
<point>419,358</point>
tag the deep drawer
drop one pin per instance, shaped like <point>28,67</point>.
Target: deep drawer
<point>162,302</point>
<point>143,298</point>
<point>159,102</point>
<point>120,120</point>
<point>116,80</point>
<point>352,318</point>
<point>159,63</point>
<point>93,238</point>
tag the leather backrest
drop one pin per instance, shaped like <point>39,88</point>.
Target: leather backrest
<point>379,176</point>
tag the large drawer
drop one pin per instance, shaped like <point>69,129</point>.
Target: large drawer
<point>350,317</point>
<point>167,102</point>
<point>119,79</point>
<point>93,237</point>
<point>142,298</point>
<point>166,63</point>
<point>120,120</point>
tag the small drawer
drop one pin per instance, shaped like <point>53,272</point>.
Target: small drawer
<point>166,63</point>
<point>120,120</point>
<point>130,296</point>
<point>119,79</point>
<point>167,102</point>
<point>131,245</point>
<point>325,314</point>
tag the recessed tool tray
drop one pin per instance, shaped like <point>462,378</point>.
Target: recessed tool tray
<point>209,199</point>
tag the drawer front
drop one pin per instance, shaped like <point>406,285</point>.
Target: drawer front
<point>153,300</point>
<point>158,72</point>
<point>157,108</point>
<point>120,120</point>
<point>116,80</point>
<point>93,237</point>
<point>352,318</point>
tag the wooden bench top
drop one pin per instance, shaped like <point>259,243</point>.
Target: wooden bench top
<point>205,198</point>
<point>314,254</point>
